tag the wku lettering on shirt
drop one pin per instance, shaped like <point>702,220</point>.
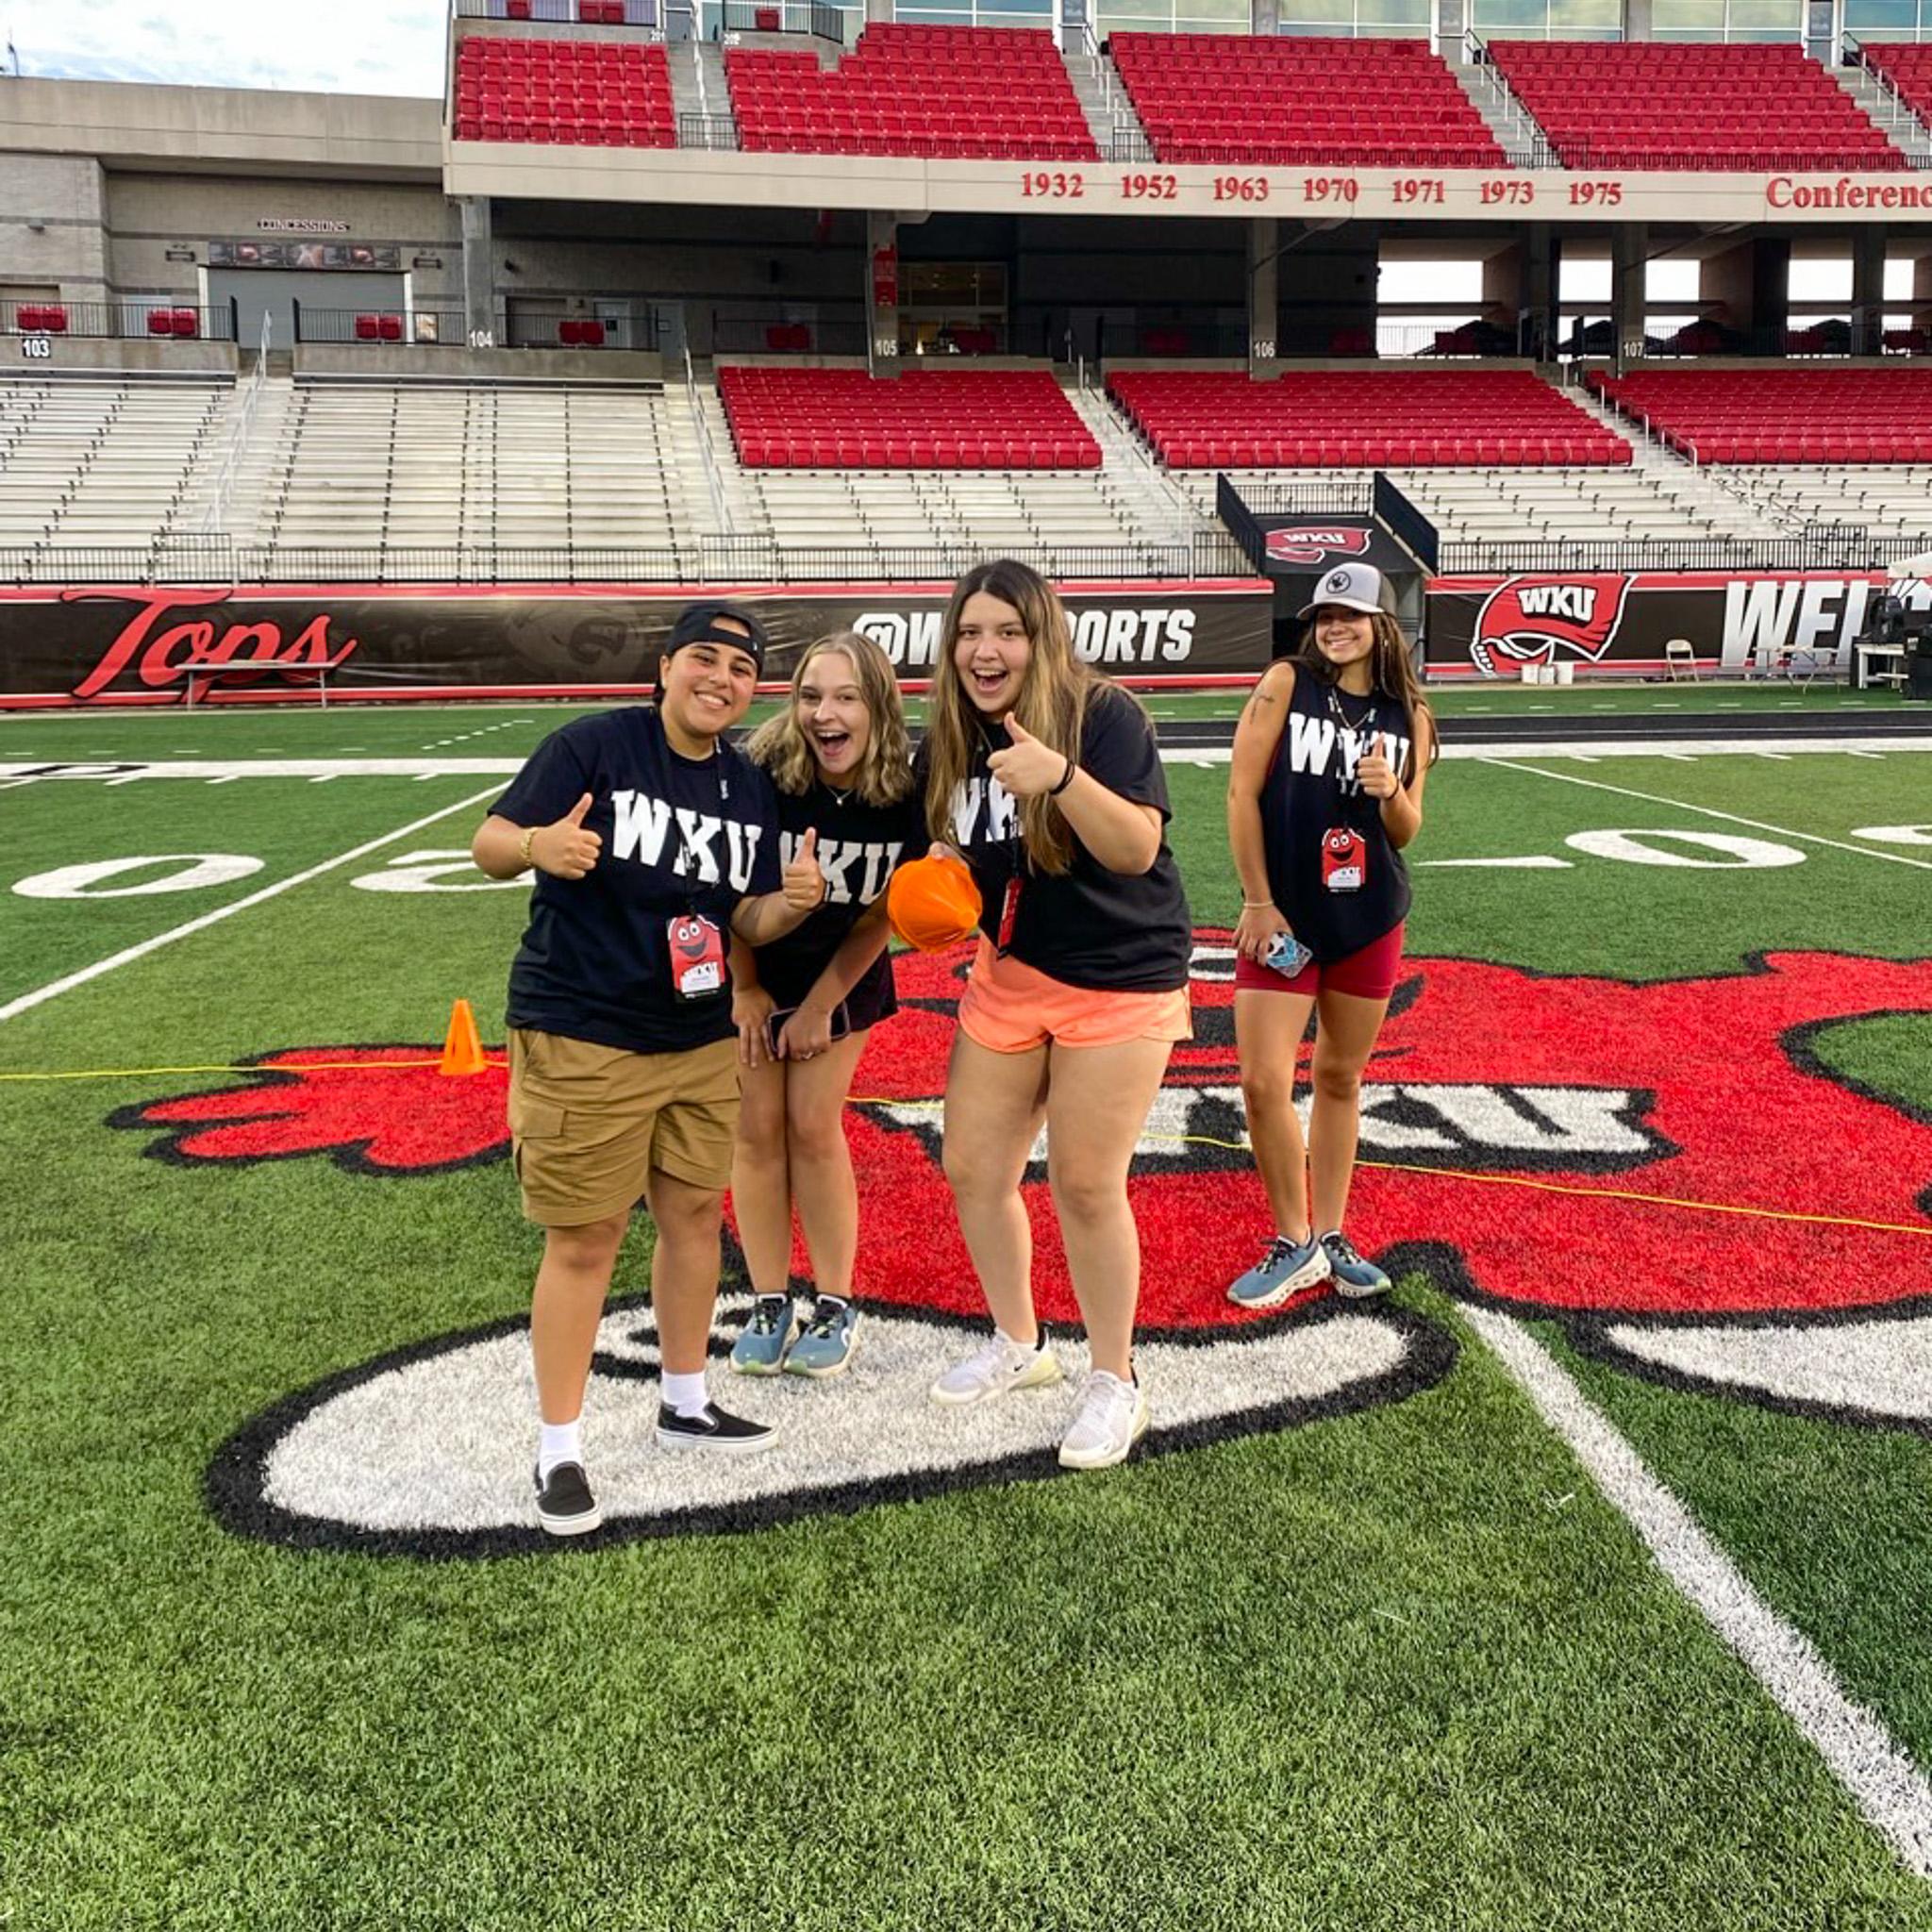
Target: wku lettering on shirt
<point>984,813</point>
<point>855,872</point>
<point>1314,743</point>
<point>709,849</point>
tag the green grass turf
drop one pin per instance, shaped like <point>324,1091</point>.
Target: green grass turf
<point>1402,1670</point>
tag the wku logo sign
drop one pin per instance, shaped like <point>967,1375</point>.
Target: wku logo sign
<point>1311,543</point>
<point>1529,620</point>
<point>162,647</point>
<point>1537,1143</point>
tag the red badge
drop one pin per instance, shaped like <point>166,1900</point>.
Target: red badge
<point>697,956</point>
<point>1009,911</point>
<point>1344,860</point>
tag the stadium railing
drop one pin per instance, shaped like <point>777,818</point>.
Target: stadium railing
<point>737,335</point>
<point>213,558</point>
<point>415,327</point>
<point>715,132</point>
<point>562,13</point>
<point>147,318</point>
<point>784,17</point>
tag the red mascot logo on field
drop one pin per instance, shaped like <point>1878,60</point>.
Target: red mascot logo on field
<point>1530,619</point>
<point>1312,542</point>
<point>1671,1168</point>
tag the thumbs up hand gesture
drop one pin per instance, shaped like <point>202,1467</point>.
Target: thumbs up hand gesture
<point>565,849</point>
<point>1027,767</point>
<point>805,884</point>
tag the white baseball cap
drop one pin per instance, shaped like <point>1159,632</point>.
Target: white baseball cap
<point>1354,586</point>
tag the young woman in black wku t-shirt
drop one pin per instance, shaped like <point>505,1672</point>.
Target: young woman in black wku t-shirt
<point>652,841</point>
<point>1326,789</point>
<point>805,1004</point>
<point>1048,780</point>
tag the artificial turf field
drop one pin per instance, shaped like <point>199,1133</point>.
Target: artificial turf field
<point>1389,1651</point>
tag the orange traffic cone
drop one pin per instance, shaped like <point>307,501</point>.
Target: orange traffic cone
<point>462,1052</point>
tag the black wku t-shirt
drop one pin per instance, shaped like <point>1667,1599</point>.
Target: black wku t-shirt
<point>680,836</point>
<point>1310,790</point>
<point>1109,932</point>
<point>860,847</point>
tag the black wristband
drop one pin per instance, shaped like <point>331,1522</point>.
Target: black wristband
<point>1072,772</point>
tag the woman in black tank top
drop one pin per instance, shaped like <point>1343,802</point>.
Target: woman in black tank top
<point>1324,790</point>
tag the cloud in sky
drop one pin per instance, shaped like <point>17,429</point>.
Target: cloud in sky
<point>329,46</point>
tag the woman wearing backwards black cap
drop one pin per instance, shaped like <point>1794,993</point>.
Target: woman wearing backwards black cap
<point>652,841</point>
<point>1324,790</point>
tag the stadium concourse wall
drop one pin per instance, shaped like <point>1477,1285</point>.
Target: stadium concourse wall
<point>156,645</point>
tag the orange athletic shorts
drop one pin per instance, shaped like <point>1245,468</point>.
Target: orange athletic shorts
<point>1009,1006</point>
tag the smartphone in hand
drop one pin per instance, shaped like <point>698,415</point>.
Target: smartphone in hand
<point>841,1025</point>
<point>1286,955</point>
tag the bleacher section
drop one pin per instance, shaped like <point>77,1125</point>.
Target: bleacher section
<point>1890,503</point>
<point>933,91</point>
<point>1690,104</point>
<point>587,93</point>
<point>100,462</point>
<point>1345,419</point>
<point>843,419</point>
<point>386,468</point>
<point>1297,101</point>
<point>1782,415</point>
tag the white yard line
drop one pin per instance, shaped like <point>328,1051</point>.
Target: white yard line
<point>1886,1786</point>
<point>1532,863</point>
<point>1711,812</point>
<point>129,953</point>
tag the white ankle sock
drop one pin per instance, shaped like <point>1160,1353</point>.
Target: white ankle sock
<point>558,1442</point>
<point>684,1394</point>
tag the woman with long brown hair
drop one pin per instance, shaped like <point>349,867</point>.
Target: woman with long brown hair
<point>1046,778</point>
<point>1324,790</point>
<point>840,761</point>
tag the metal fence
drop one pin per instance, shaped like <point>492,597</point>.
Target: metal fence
<point>1850,551</point>
<point>219,559</point>
<point>735,335</point>
<point>714,132</point>
<point>128,318</point>
<point>784,17</point>
<point>563,12</point>
<point>376,329</point>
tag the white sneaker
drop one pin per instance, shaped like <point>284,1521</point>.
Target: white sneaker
<point>1111,1418</point>
<point>999,1366</point>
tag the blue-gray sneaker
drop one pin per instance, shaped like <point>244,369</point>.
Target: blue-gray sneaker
<point>760,1349</point>
<point>1285,1268</point>
<point>1352,1273</point>
<point>825,1347</point>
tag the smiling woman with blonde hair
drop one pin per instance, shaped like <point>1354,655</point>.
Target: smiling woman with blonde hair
<point>839,757</point>
<point>1047,779</point>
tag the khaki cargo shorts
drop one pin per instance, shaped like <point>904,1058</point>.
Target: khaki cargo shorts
<point>588,1122</point>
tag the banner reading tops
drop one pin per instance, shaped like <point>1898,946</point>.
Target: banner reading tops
<point>1492,627</point>
<point>164,645</point>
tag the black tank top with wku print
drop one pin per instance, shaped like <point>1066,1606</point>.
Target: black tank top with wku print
<point>1340,893</point>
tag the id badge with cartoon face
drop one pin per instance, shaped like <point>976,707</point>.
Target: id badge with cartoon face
<point>697,956</point>
<point>1344,860</point>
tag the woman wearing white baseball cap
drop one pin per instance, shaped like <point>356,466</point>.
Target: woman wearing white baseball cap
<point>1317,813</point>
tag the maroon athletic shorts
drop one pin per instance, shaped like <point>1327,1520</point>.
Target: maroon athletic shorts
<point>1369,974</point>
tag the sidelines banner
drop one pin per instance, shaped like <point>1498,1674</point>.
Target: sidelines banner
<point>173,645</point>
<point>1620,622</point>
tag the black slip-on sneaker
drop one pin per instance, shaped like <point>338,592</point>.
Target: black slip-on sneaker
<point>565,1506</point>
<point>711,1428</point>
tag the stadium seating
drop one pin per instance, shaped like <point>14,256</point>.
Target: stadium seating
<point>1908,64</point>
<point>1783,415</point>
<point>1359,418</point>
<point>102,461</point>
<point>940,91</point>
<point>586,94</point>
<point>843,419</point>
<point>1294,101</point>
<point>1696,105</point>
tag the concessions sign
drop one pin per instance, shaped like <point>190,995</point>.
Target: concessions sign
<point>167,645</point>
<point>1493,627</point>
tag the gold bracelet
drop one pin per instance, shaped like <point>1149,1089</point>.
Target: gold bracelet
<point>523,845</point>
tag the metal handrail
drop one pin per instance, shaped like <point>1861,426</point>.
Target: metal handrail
<point>216,517</point>
<point>714,483</point>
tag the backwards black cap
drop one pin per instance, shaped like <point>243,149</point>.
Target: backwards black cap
<point>700,622</point>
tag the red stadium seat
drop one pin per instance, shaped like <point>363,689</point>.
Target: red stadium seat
<point>1784,415</point>
<point>389,327</point>
<point>161,322</point>
<point>187,322</point>
<point>367,328</point>
<point>592,334</point>
<point>937,419</point>
<point>570,334</point>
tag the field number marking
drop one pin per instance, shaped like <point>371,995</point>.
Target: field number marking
<point>194,869</point>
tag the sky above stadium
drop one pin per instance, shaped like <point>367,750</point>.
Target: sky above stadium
<point>346,47</point>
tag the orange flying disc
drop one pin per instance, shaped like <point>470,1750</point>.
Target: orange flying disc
<point>933,903</point>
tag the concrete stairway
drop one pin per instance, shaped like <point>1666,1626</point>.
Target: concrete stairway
<point>1879,102</point>
<point>1508,120</point>
<point>1110,117</point>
